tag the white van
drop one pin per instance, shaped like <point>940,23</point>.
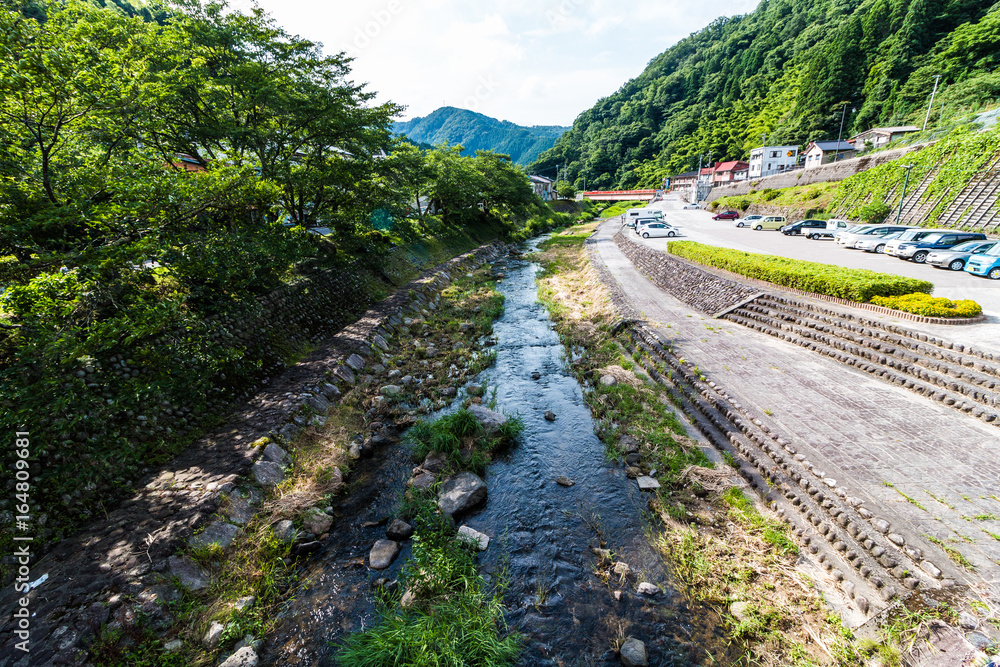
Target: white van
<point>634,214</point>
<point>833,225</point>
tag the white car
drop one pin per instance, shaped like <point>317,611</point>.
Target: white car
<point>875,243</point>
<point>749,221</point>
<point>687,206</point>
<point>657,229</point>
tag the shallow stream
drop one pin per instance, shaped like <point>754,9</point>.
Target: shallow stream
<point>542,532</point>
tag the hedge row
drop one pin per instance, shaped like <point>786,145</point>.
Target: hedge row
<point>852,284</point>
<point>929,306</point>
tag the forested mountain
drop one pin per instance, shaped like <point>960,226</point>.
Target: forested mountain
<point>476,132</point>
<point>784,70</point>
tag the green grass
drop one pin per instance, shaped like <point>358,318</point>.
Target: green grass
<point>852,284</point>
<point>912,501</point>
<point>953,553</point>
<point>772,532</point>
<point>457,619</point>
<point>460,437</point>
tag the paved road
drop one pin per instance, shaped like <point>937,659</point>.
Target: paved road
<point>697,225</point>
<point>859,429</point>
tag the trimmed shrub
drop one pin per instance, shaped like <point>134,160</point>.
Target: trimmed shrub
<point>929,306</point>
<point>853,284</point>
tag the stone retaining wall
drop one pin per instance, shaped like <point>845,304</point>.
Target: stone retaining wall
<point>119,568</point>
<point>699,289</point>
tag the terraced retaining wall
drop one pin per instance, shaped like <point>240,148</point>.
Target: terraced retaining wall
<point>699,289</point>
<point>117,571</point>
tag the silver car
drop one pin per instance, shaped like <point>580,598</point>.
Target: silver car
<point>911,235</point>
<point>954,258</point>
<point>875,243</point>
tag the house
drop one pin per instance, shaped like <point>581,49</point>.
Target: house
<point>877,137</point>
<point>726,172</point>
<point>543,187</point>
<point>684,181</point>
<point>822,152</point>
<point>768,160</point>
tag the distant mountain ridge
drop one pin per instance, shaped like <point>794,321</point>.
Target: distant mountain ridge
<point>475,131</point>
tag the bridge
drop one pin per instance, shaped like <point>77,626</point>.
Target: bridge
<point>620,195</point>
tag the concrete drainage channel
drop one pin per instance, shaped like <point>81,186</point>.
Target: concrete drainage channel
<point>870,563</point>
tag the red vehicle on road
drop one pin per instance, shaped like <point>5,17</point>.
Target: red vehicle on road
<point>726,215</point>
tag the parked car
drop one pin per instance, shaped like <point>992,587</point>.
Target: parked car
<point>956,257</point>
<point>748,221</point>
<point>691,206</point>
<point>909,235</point>
<point>642,222</point>
<point>726,215</point>
<point>636,213</point>
<point>873,243</point>
<point>658,229</point>
<point>986,264</point>
<point>918,250</point>
<point>833,225</point>
<point>770,222</point>
<point>849,238</point>
<point>802,227</point>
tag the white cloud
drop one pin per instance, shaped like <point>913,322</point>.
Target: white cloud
<point>536,62</point>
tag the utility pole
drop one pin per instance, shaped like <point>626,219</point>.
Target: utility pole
<point>763,149</point>
<point>937,78</point>
<point>697,180</point>
<point>906,180</point>
<point>841,133</point>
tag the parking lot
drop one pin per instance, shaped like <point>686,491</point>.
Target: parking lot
<point>697,225</point>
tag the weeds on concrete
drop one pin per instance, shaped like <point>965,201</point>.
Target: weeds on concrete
<point>953,553</point>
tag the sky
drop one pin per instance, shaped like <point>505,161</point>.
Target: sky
<point>540,62</point>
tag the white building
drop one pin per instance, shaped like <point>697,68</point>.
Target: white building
<point>543,187</point>
<point>768,160</point>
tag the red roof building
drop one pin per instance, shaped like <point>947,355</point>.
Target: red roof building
<point>727,172</point>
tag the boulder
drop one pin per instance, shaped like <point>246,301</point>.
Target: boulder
<point>628,444</point>
<point>474,538</point>
<point>318,403</point>
<point>447,392</point>
<point>331,391</point>
<point>647,483</point>
<point>211,638</point>
<point>633,653</point>
<point>399,530</point>
<point>382,554</point>
<point>562,480</point>
<point>245,657</point>
<point>550,416</point>
<point>608,381</point>
<point>461,493</point>
<point>268,473</point>
<point>284,531</point>
<point>740,611</point>
<point>316,521</point>
<point>490,419</point>
<point>473,389</point>
<point>422,481</point>
<point>219,532</point>
<point>275,454</point>
<point>191,575</point>
<point>646,588</point>
<point>391,390</point>
<point>355,362</point>
<point>435,462</point>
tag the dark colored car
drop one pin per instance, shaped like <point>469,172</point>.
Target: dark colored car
<point>918,250</point>
<point>726,215</point>
<point>802,226</point>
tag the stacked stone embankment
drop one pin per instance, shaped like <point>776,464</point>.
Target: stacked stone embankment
<point>120,571</point>
<point>872,561</point>
<point>705,291</point>
<point>962,377</point>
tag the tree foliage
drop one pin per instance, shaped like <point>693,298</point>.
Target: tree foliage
<point>783,71</point>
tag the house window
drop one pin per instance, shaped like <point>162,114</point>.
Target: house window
<point>774,153</point>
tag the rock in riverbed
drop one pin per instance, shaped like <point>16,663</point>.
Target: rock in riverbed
<point>633,653</point>
<point>490,419</point>
<point>461,493</point>
<point>562,480</point>
<point>550,416</point>
<point>382,554</point>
